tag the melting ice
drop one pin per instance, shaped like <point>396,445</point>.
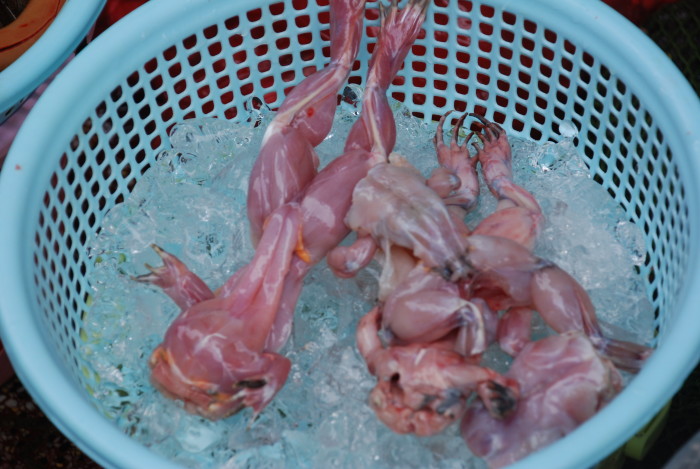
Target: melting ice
<point>192,203</point>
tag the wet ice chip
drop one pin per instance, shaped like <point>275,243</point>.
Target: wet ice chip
<point>258,114</point>
<point>567,129</point>
<point>351,98</point>
<point>197,436</point>
<point>632,238</point>
<point>546,160</point>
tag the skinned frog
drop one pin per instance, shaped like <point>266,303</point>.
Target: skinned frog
<point>221,353</point>
<point>423,387</point>
<point>563,382</point>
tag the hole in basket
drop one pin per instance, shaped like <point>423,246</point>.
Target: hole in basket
<point>264,66</point>
<point>528,44</point>
<point>486,29</point>
<point>235,41</point>
<point>487,11</point>
<point>567,64</point>
<point>189,42</point>
<point>157,142</point>
<point>546,71</point>
<point>277,9</point>
<point>282,43</point>
<point>279,26</point>
<point>254,15</point>
<point>530,26</point>
<point>232,23</point>
<point>257,32</point>
<point>156,82</point>
<point>302,21</point>
<point>441,19</point>
<point>214,49</point>
<point>175,70</point>
<point>507,36</point>
<point>505,53</point>
<point>170,53</point>
<point>211,31</point>
<point>502,101</point>
<point>504,69</point>
<point>485,46</point>
<point>194,59</point>
<point>261,50</point>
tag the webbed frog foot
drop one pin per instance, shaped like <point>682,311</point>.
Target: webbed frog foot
<point>455,180</point>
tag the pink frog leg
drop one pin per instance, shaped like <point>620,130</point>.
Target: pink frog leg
<point>255,295</point>
<point>323,207</point>
<point>421,389</point>
<point>455,180</point>
<point>287,161</point>
<point>565,306</point>
<point>347,261</point>
<point>183,286</point>
<point>425,308</point>
<point>514,330</point>
<point>403,410</point>
<point>376,130</point>
<point>518,216</point>
<point>563,382</point>
<point>479,332</point>
<point>247,379</point>
<point>507,274</point>
<point>311,105</point>
<point>213,355</point>
<point>500,263</point>
<point>327,199</point>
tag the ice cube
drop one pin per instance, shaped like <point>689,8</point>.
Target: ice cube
<point>198,434</point>
<point>567,129</point>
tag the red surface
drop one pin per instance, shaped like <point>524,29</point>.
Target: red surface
<point>637,11</point>
<point>115,10</point>
<point>5,367</point>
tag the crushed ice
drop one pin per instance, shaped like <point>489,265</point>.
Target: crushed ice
<point>192,203</point>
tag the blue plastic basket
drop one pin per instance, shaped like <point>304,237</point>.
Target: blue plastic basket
<point>25,74</point>
<point>529,65</point>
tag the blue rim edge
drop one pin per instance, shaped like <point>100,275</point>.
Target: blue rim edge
<point>60,398</point>
<point>25,74</point>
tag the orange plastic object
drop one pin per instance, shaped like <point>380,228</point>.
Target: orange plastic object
<point>18,36</point>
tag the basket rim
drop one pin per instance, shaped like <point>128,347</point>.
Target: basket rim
<point>47,54</point>
<point>65,404</point>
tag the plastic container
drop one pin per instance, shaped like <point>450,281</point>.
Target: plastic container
<point>20,34</point>
<point>533,66</point>
<point>57,42</point>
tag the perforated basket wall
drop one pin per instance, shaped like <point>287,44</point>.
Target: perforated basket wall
<point>527,65</point>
